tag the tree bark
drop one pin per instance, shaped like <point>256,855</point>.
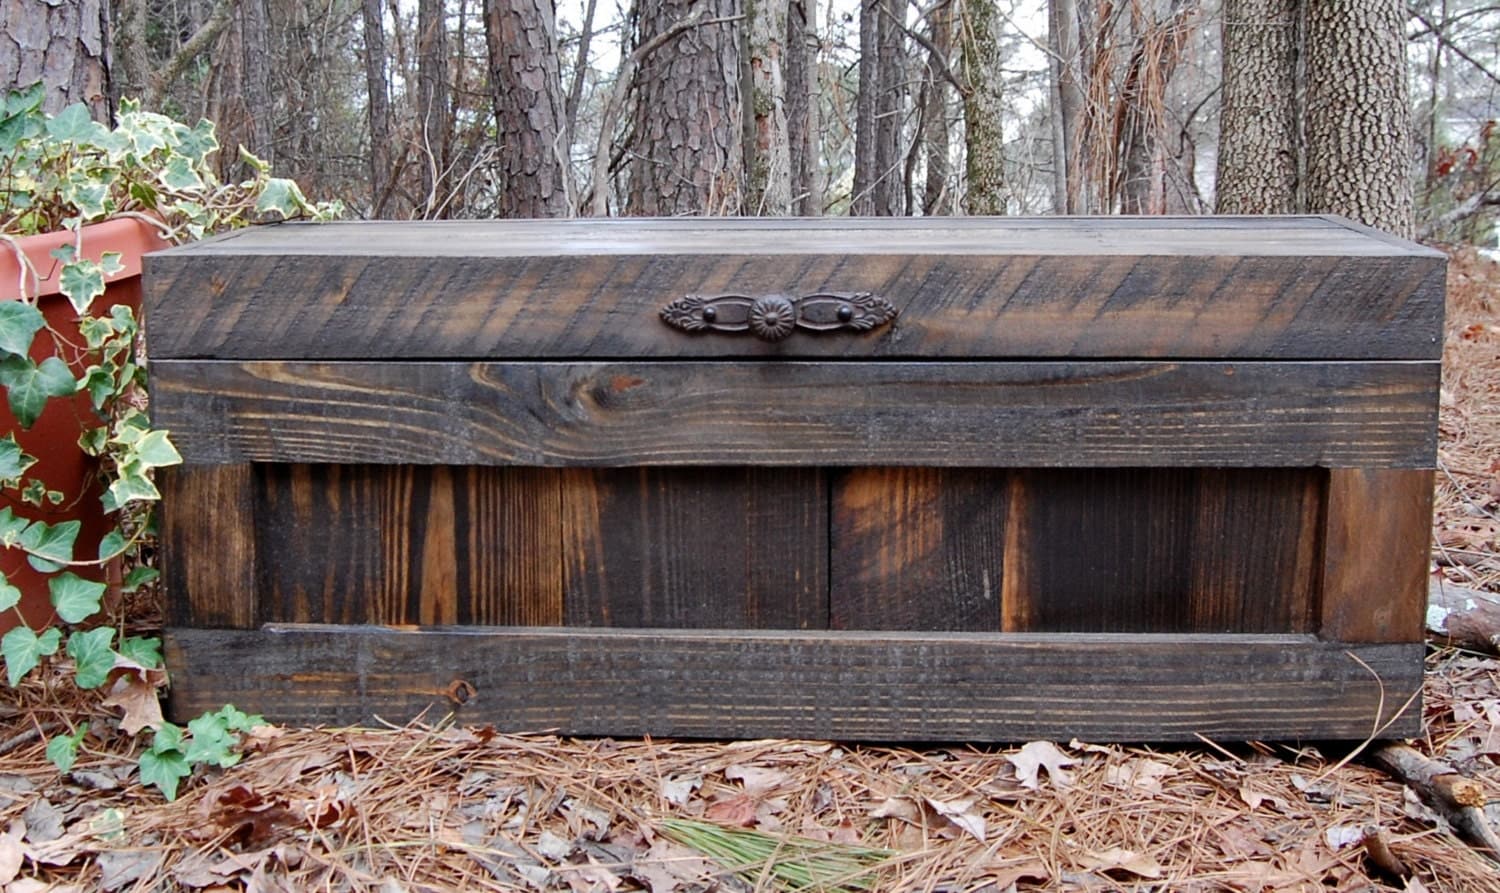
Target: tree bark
<point>1258,127</point>
<point>1358,113</point>
<point>984,135</point>
<point>802,96</point>
<point>433,127</point>
<point>530,114</point>
<point>260,108</point>
<point>1067,71</point>
<point>379,105</point>
<point>935,137</point>
<point>882,93</point>
<point>689,156</point>
<point>862,202</point>
<point>768,164</point>
<point>63,45</point>
<point>130,76</point>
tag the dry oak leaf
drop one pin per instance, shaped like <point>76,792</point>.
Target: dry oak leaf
<point>136,696</point>
<point>12,851</point>
<point>1038,755</point>
<point>756,779</point>
<point>961,814</point>
<point>1118,858</point>
<point>1143,774</point>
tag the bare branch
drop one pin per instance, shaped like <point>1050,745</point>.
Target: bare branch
<point>218,19</point>
<point>1446,43</point>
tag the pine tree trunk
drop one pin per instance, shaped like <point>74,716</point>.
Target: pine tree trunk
<point>768,164</point>
<point>530,115</point>
<point>802,95</point>
<point>1068,99</point>
<point>935,136</point>
<point>1258,132</point>
<point>984,136</point>
<point>862,202</point>
<point>890,104</point>
<point>255,41</point>
<point>1358,114</point>
<point>433,127</point>
<point>882,94</point>
<point>379,109</point>
<point>688,154</point>
<point>63,45</point>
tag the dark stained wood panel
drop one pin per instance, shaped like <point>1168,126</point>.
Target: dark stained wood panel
<point>916,549</point>
<point>1305,288</point>
<point>409,545</point>
<point>696,548</point>
<point>1162,550</point>
<point>208,548</point>
<point>803,413</point>
<point>1376,555</point>
<point>866,685</point>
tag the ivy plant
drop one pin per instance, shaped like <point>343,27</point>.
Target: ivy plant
<point>59,173</point>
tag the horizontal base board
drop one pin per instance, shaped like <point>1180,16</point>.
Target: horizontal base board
<point>871,686</point>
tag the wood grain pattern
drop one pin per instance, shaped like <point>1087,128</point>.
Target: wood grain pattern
<point>866,685</point>
<point>1375,555</point>
<point>208,549</point>
<point>696,548</point>
<point>812,413</point>
<point>1307,289</point>
<point>408,545</point>
<point>917,549</point>
<point>1161,550</point>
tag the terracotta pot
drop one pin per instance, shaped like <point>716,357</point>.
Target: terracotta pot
<point>53,440</point>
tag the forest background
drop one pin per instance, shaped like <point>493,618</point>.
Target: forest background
<point>494,108</point>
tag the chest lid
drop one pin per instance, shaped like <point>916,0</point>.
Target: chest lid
<point>867,288</point>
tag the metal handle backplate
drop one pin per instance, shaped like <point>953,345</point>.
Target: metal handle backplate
<point>775,317</point>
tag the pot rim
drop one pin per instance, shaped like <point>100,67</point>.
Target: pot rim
<point>131,236</point>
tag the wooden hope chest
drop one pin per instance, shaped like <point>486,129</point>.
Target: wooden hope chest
<point>981,479</point>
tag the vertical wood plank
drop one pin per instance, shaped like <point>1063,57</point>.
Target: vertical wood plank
<point>917,549</point>
<point>1162,550</point>
<point>1255,556</point>
<point>208,545</point>
<point>430,545</point>
<point>696,548</point>
<point>1375,555</point>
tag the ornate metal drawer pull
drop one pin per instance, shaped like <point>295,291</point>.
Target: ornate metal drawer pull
<point>774,317</point>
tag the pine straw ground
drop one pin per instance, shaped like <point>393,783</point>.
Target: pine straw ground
<point>429,807</point>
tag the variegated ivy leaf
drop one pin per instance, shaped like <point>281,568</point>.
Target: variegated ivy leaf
<point>89,195</point>
<point>281,196</point>
<point>112,264</point>
<point>255,162</point>
<point>179,175</point>
<point>81,281</point>
<point>13,461</point>
<point>199,141</point>
<point>154,450</point>
<point>132,485</point>
<point>11,527</point>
